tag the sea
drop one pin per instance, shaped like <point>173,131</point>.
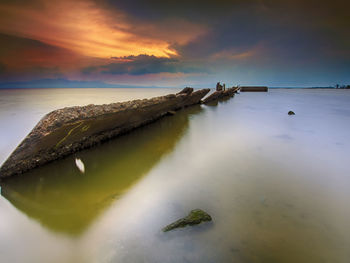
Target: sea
<point>277,186</point>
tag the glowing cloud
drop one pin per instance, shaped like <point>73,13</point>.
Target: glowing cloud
<point>80,26</point>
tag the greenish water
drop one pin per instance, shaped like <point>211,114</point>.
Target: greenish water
<point>65,200</point>
<point>276,186</point>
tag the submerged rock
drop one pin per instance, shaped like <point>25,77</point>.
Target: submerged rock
<point>291,112</point>
<point>195,217</point>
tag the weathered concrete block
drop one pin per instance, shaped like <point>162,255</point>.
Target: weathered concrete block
<point>68,130</point>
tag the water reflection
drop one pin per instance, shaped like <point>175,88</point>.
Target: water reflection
<point>64,200</point>
<point>272,198</point>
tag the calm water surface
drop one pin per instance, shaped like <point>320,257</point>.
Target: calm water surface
<point>277,186</point>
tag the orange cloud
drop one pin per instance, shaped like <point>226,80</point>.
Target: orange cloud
<point>80,26</point>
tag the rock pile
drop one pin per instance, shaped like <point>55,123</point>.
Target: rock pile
<point>217,95</point>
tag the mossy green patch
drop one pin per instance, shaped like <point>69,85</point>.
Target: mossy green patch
<point>195,217</point>
<point>68,134</point>
<point>85,128</point>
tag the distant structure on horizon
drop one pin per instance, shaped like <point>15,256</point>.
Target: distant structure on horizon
<point>337,86</point>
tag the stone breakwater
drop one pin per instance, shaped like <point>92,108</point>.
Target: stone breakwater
<point>68,130</point>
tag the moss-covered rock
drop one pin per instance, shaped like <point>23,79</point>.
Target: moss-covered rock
<point>291,112</point>
<point>195,217</point>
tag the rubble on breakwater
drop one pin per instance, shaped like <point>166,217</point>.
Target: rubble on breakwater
<point>220,94</point>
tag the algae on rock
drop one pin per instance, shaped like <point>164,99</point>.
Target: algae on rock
<point>195,217</point>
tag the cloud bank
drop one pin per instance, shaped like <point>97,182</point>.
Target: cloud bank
<point>196,42</point>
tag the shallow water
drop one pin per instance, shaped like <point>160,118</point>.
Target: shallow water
<point>277,186</point>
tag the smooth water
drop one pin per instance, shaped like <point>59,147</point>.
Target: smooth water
<point>277,186</point>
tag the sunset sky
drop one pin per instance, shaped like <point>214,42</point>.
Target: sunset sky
<point>176,43</point>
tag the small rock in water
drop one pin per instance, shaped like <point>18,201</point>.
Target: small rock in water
<point>171,112</point>
<point>79,163</point>
<point>291,112</point>
<point>195,217</point>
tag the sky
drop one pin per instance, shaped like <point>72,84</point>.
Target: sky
<point>177,43</point>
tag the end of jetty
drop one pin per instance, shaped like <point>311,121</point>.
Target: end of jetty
<point>221,93</point>
<point>71,129</point>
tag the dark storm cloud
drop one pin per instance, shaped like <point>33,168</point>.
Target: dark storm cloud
<point>2,68</point>
<point>25,57</point>
<point>248,28</point>
<point>32,3</point>
<point>19,55</point>
<point>284,41</point>
<point>143,64</point>
<point>203,10</point>
<point>333,13</point>
<point>19,51</point>
<point>10,45</point>
<point>292,28</point>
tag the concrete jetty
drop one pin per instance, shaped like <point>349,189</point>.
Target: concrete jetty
<point>68,130</point>
<point>71,129</point>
